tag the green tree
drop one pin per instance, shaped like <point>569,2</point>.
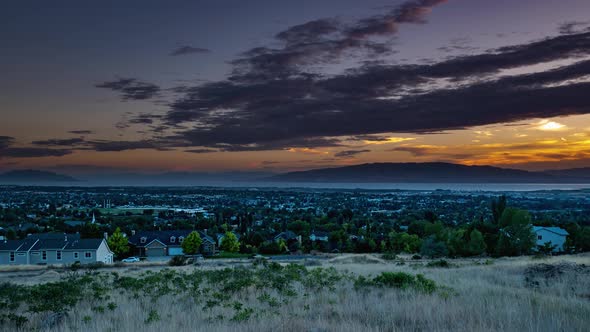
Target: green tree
<point>517,236</point>
<point>299,227</point>
<point>90,231</point>
<point>433,248</point>
<point>476,245</point>
<point>230,243</point>
<point>192,244</point>
<point>118,243</point>
<point>404,242</point>
<point>498,207</point>
<point>582,241</point>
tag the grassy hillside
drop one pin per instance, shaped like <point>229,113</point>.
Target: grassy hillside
<point>346,293</point>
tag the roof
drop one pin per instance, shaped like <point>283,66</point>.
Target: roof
<point>53,236</point>
<point>288,235</point>
<point>164,237</point>
<point>84,244</point>
<point>47,244</point>
<point>320,233</point>
<point>556,230</point>
<point>74,223</point>
<point>10,245</point>
<point>50,241</point>
<point>222,235</point>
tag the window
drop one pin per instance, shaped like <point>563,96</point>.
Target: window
<point>88,254</point>
<point>12,256</point>
<point>76,255</point>
<point>143,239</point>
<point>540,237</point>
<point>58,255</point>
<point>180,239</point>
<point>44,255</point>
<point>172,239</point>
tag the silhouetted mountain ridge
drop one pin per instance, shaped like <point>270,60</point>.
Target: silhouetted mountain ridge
<point>423,173</point>
<point>34,176</point>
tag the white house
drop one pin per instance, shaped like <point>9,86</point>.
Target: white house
<point>555,235</point>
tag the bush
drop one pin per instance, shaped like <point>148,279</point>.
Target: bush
<point>178,261</point>
<point>416,257</point>
<point>400,280</point>
<point>439,263</point>
<point>389,256</point>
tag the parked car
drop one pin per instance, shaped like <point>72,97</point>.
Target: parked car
<point>130,260</point>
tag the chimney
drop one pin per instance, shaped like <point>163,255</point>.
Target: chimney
<point>132,232</point>
<point>106,235</point>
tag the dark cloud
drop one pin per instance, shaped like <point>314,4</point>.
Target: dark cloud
<point>5,141</point>
<point>200,151</point>
<point>26,152</point>
<point>7,150</point>
<point>144,118</point>
<point>349,153</point>
<point>116,146</point>
<point>60,142</point>
<point>131,88</point>
<point>187,49</point>
<point>81,132</point>
<point>571,27</point>
<point>327,40</point>
<point>274,113</point>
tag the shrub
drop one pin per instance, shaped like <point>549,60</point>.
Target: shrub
<point>389,256</point>
<point>178,261</point>
<point>439,263</point>
<point>400,280</point>
<point>153,316</point>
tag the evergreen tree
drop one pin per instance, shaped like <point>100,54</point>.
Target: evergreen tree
<point>498,208</point>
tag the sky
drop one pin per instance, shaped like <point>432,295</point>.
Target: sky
<point>261,85</point>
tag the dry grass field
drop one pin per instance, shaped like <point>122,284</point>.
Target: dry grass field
<point>508,294</point>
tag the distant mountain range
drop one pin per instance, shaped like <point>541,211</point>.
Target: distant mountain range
<point>432,173</point>
<point>34,177</point>
<point>365,173</point>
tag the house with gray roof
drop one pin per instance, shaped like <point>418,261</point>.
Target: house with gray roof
<point>554,235</point>
<point>167,243</point>
<point>54,249</point>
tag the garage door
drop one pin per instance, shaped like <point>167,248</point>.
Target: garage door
<point>175,251</point>
<point>155,252</point>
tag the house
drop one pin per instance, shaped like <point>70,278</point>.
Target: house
<point>554,235</point>
<point>287,236</point>
<point>74,223</point>
<point>319,236</point>
<point>54,248</point>
<point>167,243</point>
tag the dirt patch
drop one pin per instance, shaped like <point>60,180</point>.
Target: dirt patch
<point>543,274</point>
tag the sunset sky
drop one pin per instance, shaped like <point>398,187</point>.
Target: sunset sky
<point>267,85</point>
